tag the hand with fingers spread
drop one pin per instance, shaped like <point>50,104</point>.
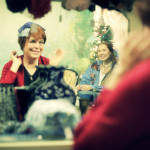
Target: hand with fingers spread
<point>57,57</point>
<point>136,49</point>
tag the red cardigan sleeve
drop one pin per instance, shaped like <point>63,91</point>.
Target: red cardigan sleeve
<point>120,117</point>
<point>8,77</point>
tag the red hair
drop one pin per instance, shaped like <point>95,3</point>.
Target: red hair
<point>40,34</point>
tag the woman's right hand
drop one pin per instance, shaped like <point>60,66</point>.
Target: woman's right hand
<point>78,87</point>
<point>15,58</point>
<point>83,87</point>
<point>16,61</point>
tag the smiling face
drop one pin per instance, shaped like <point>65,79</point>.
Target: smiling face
<point>33,48</point>
<point>78,5</point>
<point>103,52</point>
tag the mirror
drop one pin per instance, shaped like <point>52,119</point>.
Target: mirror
<point>71,31</point>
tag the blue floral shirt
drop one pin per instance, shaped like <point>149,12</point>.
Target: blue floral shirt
<point>91,76</point>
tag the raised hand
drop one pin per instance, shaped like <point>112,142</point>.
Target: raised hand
<point>16,61</point>
<point>56,57</point>
<point>135,50</point>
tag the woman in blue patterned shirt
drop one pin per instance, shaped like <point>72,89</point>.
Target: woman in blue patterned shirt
<point>96,75</point>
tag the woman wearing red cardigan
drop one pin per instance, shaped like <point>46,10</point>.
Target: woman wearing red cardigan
<point>120,119</point>
<point>21,70</point>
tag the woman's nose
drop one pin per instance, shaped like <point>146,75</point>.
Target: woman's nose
<point>37,44</point>
<point>101,53</point>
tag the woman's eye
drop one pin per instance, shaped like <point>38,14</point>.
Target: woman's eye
<point>41,42</point>
<point>32,41</point>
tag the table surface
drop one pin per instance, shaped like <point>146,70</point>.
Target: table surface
<point>37,145</point>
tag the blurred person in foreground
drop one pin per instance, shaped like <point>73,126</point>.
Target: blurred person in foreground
<point>80,5</point>
<point>98,73</point>
<point>120,118</point>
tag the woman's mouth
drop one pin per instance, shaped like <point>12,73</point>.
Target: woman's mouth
<point>35,51</point>
<point>102,56</point>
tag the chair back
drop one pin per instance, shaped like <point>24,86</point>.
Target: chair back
<point>71,77</point>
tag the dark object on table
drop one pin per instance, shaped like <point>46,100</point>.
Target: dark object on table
<point>84,104</point>
<point>53,117</point>
<point>37,8</point>
<point>85,100</point>
<point>118,5</point>
<point>51,85</point>
<point>8,103</point>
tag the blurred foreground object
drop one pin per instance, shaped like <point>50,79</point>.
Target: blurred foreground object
<point>50,84</point>
<point>38,8</point>
<point>53,117</point>
<point>8,104</point>
<point>45,119</point>
<point>79,5</point>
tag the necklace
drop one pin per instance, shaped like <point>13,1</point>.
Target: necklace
<point>107,64</point>
<point>31,77</point>
<point>106,68</point>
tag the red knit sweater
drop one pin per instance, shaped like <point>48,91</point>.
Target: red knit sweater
<point>120,119</point>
